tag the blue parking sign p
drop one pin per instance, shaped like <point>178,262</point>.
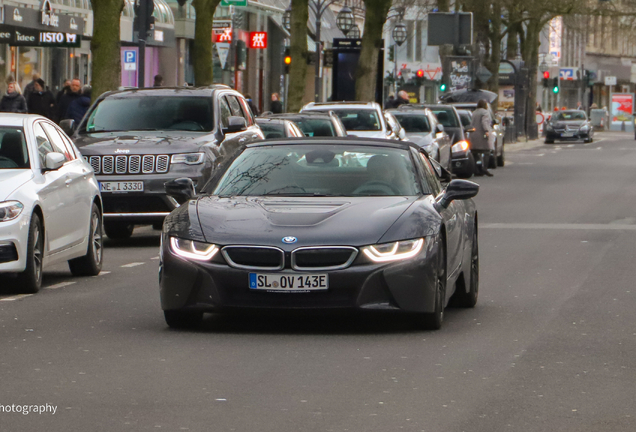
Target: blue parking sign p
<point>129,56</point>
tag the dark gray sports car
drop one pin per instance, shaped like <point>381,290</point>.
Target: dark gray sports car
<point>321,223</point>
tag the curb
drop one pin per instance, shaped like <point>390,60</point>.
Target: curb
<point>518,146</point>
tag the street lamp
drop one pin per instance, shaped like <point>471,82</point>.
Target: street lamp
<point>399,37</point>
<point>345,20</point>
<point>287,18</point>
<point>354,33</point>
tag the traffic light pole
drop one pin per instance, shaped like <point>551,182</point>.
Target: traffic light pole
<point>141,77</point>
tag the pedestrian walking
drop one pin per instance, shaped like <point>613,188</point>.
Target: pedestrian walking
<point>158,81</point>
<point>41,101</point>
<point>579,106</point>
<point>481,145</point>
<point>30,87</point>
<point>13,101</point>
<point>277,106</point>
<point>390,102</point>
<point>402,99</point>
<point>67,98</point>
<point>77,109</point>
<point>248,98</point>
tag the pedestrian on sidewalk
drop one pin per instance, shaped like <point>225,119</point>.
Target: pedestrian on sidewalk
<point>277,106</point>
<point>74,92</point>
<point>480,143</point>
<point>41,101</point>
<point>13,101</point>
<point>79,106</point>
<point>251,104</point>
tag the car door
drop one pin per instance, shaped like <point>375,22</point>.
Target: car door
<point>230,142</point>
<point>254,131</point>
<point>453,218</point>
<point>248,135</point>
<point>77,182</point>
<point>443,141</point>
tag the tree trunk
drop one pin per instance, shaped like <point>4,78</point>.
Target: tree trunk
<point>367,70</point>
<point>299,54</point>
<point>443,5</point>
<point>106,46</point>
<point>531,59</point>
<point>495,48</point>
<point>202,53</point>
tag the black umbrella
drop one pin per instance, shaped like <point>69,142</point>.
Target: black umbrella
<point>468,96</point>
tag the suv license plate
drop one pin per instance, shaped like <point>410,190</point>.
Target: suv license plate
<point>567,134</point>
<point>134,186</point>
<point>289,283</point>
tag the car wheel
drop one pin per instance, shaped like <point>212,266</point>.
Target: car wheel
<point>91,263</point>
<point>501,161</point>
<point>434,320</point>
<point>30,280</point>
<point>182,320</point>
<point>118,230</point>
<point>469,299</point>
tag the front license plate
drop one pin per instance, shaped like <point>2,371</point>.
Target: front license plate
<point>289,283</point>
<point>567,134</point>
<point>135,186</point>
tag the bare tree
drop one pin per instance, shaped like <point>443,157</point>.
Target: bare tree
<point>106,46</point>
<point>202,54</point>
<point>299,54</point>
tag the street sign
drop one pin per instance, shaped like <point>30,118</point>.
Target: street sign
<point>483,74</point>
<point>130,60</point>
<point>227,3</point>
<point>258,40</point>
<point>223,49</point>
<point>568,74</point>
<point>610,80</point>
<point>446,28</point>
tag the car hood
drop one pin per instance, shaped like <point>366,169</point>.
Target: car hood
<point>421,139</point>
<point>12,179</point>
<point>160,142</point>
<point>313,221</point>
<point>367,134</point>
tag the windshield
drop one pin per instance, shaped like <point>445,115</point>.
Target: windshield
<point>362,120</point>
<point>319,170</point>
<point>571,115</point>
<point>316,127</point>
<point>152,113</point>
<point>13,149</point>
<point>465,119</point>
<point>413,123</point>
<point>446,116</point>
<point>272,130</point>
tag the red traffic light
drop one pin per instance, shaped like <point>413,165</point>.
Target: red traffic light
<point>546,74</point>
<point>420,73</point>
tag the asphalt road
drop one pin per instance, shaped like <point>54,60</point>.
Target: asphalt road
<point>549,347</point>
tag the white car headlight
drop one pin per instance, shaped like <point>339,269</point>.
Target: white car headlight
<point>10,210</point>
<point>188,158</point>
<point>395,251</point>
<point>584,127</point>
<point>193,249</point>
<point>460,146</point>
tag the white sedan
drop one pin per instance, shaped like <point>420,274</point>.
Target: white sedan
<point>50,206</point>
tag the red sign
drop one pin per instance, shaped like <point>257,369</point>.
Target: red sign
<point>222,35</point>
<point>622,107</point>
<point>258,40</point>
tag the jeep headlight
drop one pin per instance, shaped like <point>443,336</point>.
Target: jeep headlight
<point>10,210</point>
<point>188,158</point>
<point>396,251</point>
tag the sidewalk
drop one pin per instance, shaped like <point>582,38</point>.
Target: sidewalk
<point>522,144</point>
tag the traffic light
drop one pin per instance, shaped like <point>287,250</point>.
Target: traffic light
<point>555,85</point>
<point>546,75</point>
<point>144,21</point>
<point>442,87</point>
<point>420,73</point>
<point>286,60</point>
<point>392,53</point>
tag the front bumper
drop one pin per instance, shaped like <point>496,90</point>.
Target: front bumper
<point>567,136</point>
<point>407,286</point>
<point>14,238</point>
<point>462,164</point>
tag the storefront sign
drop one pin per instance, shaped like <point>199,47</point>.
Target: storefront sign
<point>21,36</point>
<point>48,16</point>
<point>17,17</point>
<point>258,40</point>
<point>222,35</point>
<point>226,3</point>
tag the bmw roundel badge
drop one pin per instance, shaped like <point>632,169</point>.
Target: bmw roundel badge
<point>289,239</point>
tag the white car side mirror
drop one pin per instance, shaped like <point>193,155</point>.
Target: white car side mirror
<point>54,161</point>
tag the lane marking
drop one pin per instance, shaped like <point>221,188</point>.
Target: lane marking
<point>59,285</point>
<point>557,226</point>
<point>135,264</point>
<point>154,258</point>
<point>102,273</point>
<point>16,297</point>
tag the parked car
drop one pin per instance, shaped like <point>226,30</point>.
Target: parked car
<point>234,246</point>
<point>497,127</point>
<point>50,206</point>
<point>278,128</point>
<point>138,139</point>
<point>423,129</point>
<point>315,123</point>
<point>361,119</point>
<point>463,162</point>
<point>571,125</point>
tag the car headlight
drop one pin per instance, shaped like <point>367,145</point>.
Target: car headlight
<point>584,127</point>
<point>460,146</point>
<point>193,249</point>
<point>10,210</point>
<point>395,251</point>
<point>188,158</point>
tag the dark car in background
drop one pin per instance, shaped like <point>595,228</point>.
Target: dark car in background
<point>423,129</point>
<point>572,125</point>
<point>278,128</point>
<point>138,139</point>
<point>315,123</point>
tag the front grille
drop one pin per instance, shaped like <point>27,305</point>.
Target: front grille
<point>134,164</point>
<point>323,258</point>
<point>123,203</point>
<point>254,257</point>
<point>8,253</point>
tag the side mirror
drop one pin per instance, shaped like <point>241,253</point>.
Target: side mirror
<point>458,190</point>
<point>235,124</point>
<point>440,128</point>
<point>54,161</point>
<point>181,189</point>
<point>402,134</point>
<point>68,126</point>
